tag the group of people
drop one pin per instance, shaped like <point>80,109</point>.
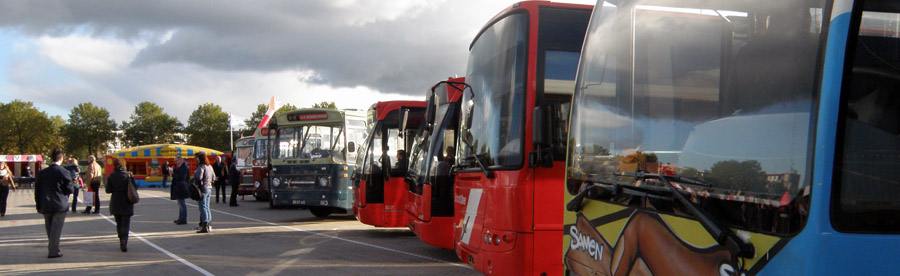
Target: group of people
<point>205,177</point>
<point>54,184</point>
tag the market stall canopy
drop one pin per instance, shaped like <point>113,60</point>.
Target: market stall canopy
<point>21,158</point>
<point>164,150</point>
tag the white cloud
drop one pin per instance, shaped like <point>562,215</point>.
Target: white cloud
<point>362,12</point>
<point>83,73</point>
<point>87,55</point>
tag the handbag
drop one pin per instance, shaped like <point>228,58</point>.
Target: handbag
<point>88,198</point>
<point>194,190</point>
<point>133,195</point>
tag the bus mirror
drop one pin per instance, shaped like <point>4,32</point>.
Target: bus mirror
<point>351,147</point>
<point>429,109</point>
<point>541,126</point>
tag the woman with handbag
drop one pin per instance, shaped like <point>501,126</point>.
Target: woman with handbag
<point>6,182</point>
<point>203,179</point>
<point>121,205</point>
<point>179,190</point>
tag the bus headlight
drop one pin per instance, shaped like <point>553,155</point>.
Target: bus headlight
<point>255,184</point>
<point>276,182</point>
<point>323,181</point>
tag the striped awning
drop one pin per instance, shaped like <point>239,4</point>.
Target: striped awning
<point>21,158</point>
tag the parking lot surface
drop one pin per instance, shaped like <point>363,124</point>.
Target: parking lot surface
<point>247,240</point>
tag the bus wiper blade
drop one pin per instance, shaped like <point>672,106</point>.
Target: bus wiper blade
<point>487,173</point>
<point>574,205</point>
<point>722,235</point>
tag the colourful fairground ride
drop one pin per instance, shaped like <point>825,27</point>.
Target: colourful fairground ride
<point>379,191</point>
<point>508,186</point>
<point>146,162</point>
<point>312,154</point>
<point>429,205</point>
<point>731,137</point>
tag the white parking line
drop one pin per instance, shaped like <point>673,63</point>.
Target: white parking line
<point>170,254</point>
<point>329,236</point>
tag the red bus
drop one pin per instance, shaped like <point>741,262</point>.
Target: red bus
<point>430,178</point>
<point>379,193</point>
<point>260,172</point>
<point>511,153</point>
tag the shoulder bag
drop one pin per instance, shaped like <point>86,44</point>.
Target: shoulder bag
<point>133,195</point>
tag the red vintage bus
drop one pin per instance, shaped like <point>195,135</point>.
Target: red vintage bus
<point>430,178</point>
<point>259,170</point>
<point>511,153</point>
<point>379,193</point>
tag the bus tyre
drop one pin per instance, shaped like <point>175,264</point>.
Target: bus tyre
<point>320,212</point>
<point>260,197</point>
<point>271,203</point>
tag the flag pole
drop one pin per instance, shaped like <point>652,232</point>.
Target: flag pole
<point>231,130</point>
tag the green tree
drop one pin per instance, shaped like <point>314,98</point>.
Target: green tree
<point>150,125</point>
<point>208,127</point>
<point>26,130</point>
<point>257,116</point>
<point>58,124</point>
<point>746,176</point>
<point>89,129</point>
<point>325,105</point>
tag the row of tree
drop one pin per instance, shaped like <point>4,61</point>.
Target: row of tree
<point>24,129</point>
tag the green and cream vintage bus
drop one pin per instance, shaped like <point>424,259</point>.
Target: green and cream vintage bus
<point>312,156</point>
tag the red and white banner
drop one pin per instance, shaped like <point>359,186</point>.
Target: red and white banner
<point>269,113</point>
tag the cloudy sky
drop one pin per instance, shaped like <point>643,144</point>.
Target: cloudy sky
<point>180,54</point>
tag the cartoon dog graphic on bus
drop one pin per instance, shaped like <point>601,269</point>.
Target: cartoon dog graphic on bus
<point>646,246</point>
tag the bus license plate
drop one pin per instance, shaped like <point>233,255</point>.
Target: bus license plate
<point>298,201</point>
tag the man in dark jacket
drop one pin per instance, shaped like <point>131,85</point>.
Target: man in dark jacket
<point>51,197</point>
<point>234,177</point>
<point>179,188</point>
<point>221,171</point>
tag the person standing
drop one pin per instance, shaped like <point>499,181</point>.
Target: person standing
<point>6,182</point>
<point>73,168</point>
<point>165,172</point>
<point>221,171</point>
<point>94,176</point>
<point>204,177</point>
<point>234,178</point>
<point>51,197</point>
<point>119,206</point>
<point>179,189</point>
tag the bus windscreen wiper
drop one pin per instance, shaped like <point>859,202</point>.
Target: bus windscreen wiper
<point>722,235</point>
<point>602,189</point>
<point>574,205</point>
<point>487,173</point>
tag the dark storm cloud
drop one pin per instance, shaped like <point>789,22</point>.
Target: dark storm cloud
<point>347,45</point>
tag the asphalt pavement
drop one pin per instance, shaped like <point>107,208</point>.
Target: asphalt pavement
<point>247,240</point>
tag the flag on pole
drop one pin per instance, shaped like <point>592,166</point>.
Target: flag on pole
<point>269,113</point>
<point>237,121</point>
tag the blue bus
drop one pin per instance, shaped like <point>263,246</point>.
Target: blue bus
<point>735,137</point>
